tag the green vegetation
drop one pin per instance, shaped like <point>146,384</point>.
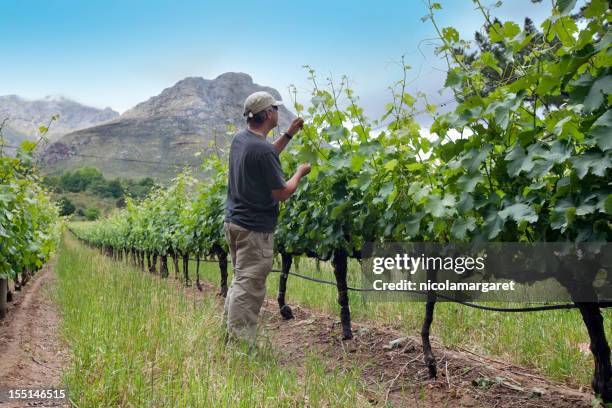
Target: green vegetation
<point>91,179</point>
<point>92,214</point>
<point>28,219</point>
<point>87,194</point>
<point>136,341</point>
<point>66,206</point>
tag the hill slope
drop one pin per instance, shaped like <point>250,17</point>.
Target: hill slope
<point>170,128</point>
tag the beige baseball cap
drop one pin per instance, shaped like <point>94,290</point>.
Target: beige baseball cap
<point>258,101</point>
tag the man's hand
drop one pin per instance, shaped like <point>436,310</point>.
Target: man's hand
<point>304,169</point>
<point>282,141</point>
<point>295,126</point>
<point>292,183</point>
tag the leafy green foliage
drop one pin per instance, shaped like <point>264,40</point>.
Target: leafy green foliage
<point>91,179</point>
<point>92,213</point>
<point>28,219</point>
<point>80,179</point>
<point>66,207</point>
<point>185,218</point>
<point>545,173</point>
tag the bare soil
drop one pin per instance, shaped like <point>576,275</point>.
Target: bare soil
<point>397,375</point>
<point>32,353</point>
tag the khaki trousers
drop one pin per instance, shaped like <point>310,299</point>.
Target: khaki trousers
<point>252,254</point>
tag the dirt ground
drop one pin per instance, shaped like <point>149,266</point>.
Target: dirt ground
<point>392,366</point>
<point>32,354</point>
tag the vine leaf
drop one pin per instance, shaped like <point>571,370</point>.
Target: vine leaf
<point>595,163</point>
<point>461,226</point>
<point>519,212</point>
<point>566,6</point>
<point>601,131</point>
<point>595,97</point>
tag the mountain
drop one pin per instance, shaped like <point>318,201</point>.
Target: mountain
<point>170,128</point>
<point>25,116</point>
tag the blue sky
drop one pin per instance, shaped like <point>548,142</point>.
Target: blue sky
<point>118,53</point>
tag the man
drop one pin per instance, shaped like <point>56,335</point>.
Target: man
<point>255,186</point>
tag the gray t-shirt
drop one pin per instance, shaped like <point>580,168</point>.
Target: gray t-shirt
<point>254,171</point>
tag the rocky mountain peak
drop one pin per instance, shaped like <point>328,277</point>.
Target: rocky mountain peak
<point>217,100</point>
<point>24,116</point>
<point>235,77</point>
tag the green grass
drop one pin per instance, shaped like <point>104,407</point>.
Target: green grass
<point>137,341</point>
<point>546,341</point>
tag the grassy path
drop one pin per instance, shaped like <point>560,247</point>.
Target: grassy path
<point>138,342</point>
